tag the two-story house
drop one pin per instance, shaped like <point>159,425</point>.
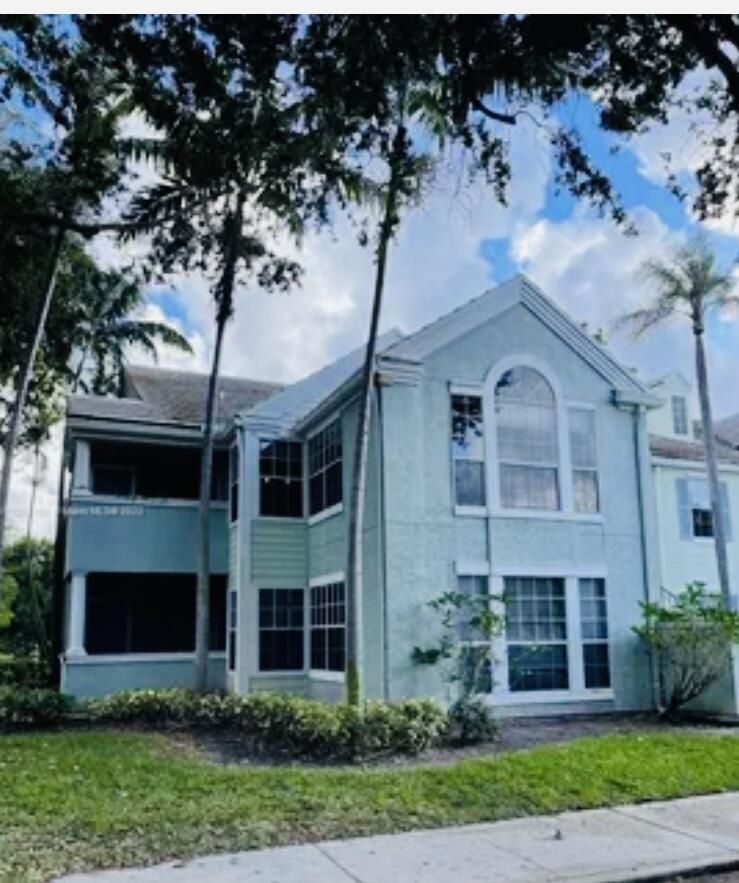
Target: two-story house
<point>509,456</point>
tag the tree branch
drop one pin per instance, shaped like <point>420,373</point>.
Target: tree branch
<point>709,50</point>
<point>81,227</point>
<point>507,118</point>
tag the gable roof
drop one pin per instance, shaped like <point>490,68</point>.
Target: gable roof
<point>164,395</point>
<point>493,302</point>
<point>295,402</point>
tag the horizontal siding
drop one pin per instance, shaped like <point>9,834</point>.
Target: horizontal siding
<point>279,553</point>
<point>233,556</point>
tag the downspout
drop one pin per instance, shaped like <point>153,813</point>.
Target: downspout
<point>382,550</point>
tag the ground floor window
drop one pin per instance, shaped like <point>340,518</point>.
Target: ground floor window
<point>553,624</point>
<point>149,613</point>
<point>281,629</point>
<point>328,627</point>
<point>476,652</point>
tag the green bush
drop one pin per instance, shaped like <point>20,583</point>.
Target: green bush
<point>23,672</point>
<point>26,709</point>
<point>471,721</point>
<point>283,722</point>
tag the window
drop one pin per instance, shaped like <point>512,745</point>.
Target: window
<point>325,468</point>
<point>233,601</point>
<point>233,473</point>
<point>679,415</point>
<point>149,613</point>
<point>594,633</point>
<point>584,460</point>
<point>528,455</point>
<point>280,629</point>
<point>468,451</point>
<point>154,471</point>
<point>536,633</point>
<point>695,513</point>
<point>476,650</point>
<point>281,479</point>
<point>328,627</point>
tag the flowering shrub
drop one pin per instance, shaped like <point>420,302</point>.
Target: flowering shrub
<point>26,709</point>
<point>304,727</point>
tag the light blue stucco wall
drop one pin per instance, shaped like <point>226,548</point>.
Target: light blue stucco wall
<point>425,539</point>
<point>91,678</point>
<point>141,537</point>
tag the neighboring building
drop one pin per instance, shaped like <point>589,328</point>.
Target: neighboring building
<point>686,549</point>
<point>508,455</point>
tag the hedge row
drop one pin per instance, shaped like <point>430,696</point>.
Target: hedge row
<point>27,708</point>
<point>303,727</point>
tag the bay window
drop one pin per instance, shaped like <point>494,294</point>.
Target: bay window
<point>328,627</point>
<point>281,479</point>
<point>325,468</point>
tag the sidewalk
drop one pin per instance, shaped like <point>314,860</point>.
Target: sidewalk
<point>595,846</point>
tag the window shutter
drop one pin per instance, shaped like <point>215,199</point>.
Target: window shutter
<point>725,509</point>
<point>684,513</point>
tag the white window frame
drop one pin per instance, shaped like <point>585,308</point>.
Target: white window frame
<point>477,392</point>
<point>335,508</point>
<point>683,413</point>
<point>278,672</point>
<point>268,439</point>
<point>564,482</point>
<point>234,482</point>
<point>577,692</point>
<point>320,674</point>
<point>585,406</point>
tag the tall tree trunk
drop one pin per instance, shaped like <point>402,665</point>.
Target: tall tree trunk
<point>354,570</point>
<point>224,308</point>
<point>41,636</point>
<point>709,441</point>
<point>24,382</point>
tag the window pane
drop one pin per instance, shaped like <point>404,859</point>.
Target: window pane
<point>475,587</point>
<point>280,479</point>
<point>325,468</point>
<point>597,670</point>
<point>469,483</point>
<point>528,487</point>
<point>477,669</point>
<point>679,415</point>
<point>467,428</point>
<point>702,523</point>
<point>280,629</point>
<point>328,634</point>
<point>537,667</point>
<point>585,490</point>
<point>582,438</point>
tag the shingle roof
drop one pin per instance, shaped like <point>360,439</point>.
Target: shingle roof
<point>683,449</point>
<point>728,430</point>
<point>163,395</point>
<point>295,402</point>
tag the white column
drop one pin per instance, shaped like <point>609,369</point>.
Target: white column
<point>77,606</point>
<point>81,474</point>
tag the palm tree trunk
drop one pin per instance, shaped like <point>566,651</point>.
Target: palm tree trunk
<point>709,440</point>
<point>24,383</point>
<point>354,570</point>
<point>224,300</point>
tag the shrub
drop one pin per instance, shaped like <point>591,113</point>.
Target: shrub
<point>470,721</point>
<point>23,672</point>
<point>284,722</point>
<point>22,708</point>
<point>690,638</point>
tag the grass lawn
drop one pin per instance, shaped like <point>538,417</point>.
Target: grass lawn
<point>81,800</point>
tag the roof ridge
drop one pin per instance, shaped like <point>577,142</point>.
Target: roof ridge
<point>156,369</point>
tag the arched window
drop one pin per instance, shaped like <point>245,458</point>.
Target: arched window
<point>528,455</point>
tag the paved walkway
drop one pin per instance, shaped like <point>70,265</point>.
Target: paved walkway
<point>596,846</point>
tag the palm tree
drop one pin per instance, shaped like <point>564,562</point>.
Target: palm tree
<point>107,327</point>
<point>692,286</point>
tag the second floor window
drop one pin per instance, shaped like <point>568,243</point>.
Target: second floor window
<point>281,479</point>
<point>528,451</point>
<point>234,482</point>
<point>325,468</point>
<point>584,461</point>
<point>468,450</point>
<point>695,513</point>
<point>679,415</point>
